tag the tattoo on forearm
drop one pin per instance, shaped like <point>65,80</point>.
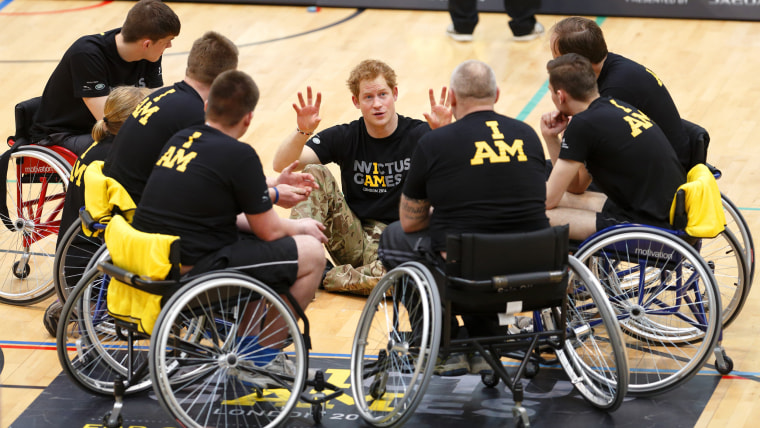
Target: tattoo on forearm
<point>415,209</point>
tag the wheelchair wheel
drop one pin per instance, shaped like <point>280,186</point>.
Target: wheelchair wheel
<point>202,375</point>
<point>738,226</point>
<point>72,257</point>
<point>396,345</point>
<point>35,188</point>
<point>725,258</point>
<point>92,348</point>
<point>593,353</point>
<point>665,299</point>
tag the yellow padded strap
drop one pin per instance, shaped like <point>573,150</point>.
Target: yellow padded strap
<point>704,209</point>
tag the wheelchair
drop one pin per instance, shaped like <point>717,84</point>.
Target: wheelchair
<point>407,320</point>
<point>133,323</point>
<point>202,374</point>
<point>662,285</point>
<point>35,187</point>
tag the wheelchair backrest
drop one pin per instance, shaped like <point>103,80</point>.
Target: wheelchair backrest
<point>140,262</point>
<point>24,113</point>
<point>699,139</point>
<point>480,256</point>
<point>486,270</point>
<point>104,196</point>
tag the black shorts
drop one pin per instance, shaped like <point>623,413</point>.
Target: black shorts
<point>611,215</point>
<point>275,263</point>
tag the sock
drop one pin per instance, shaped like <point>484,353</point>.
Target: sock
<point>250,350</point>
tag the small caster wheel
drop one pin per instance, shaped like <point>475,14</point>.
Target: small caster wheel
<point>726,368</point>
<point>489,379</point>
<point>531,369</point>
<point>107,423</point>
<point>316,412</point>
<point>21,275</point>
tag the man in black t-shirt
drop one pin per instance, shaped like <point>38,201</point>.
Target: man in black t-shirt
<point>373,154</point>
<point>483,173</point>
<point>623,79</point>
<point>627,154</point>
<point>166,111</point>
<point>76,92</point>
<point>203,180</point>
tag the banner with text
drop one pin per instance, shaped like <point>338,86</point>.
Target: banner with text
<point>748,10</point>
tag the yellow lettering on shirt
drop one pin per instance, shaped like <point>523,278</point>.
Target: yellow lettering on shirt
<point>494,125</point>
<point>484,151</point>
<point>659,82</point>
<point>170,158</point>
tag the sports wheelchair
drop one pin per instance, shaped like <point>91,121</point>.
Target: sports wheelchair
<point>662,285</point>
<point>35,187</point>
<point>132,322</point>
<point>406,322</point>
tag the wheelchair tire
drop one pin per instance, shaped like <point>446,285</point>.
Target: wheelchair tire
<point>396,344</point>
<point>725,258</point>
<point>736,223</point>
<point>593,354</point>
<point>195,357</point>
<point>35,189</point>
<point>666,301</point>
<point>92,349</point>
<point>72,256</point>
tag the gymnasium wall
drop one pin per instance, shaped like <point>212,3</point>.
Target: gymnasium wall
<point>748,10</point>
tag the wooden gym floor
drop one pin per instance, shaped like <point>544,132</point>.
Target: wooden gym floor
<point>709,67</point>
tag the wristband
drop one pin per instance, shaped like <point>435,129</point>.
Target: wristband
<point>276,195</point>
<point>304,132</point>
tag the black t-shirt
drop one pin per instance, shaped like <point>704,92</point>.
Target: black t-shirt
<point>637,85</point>
<point>201,182</point>
<point>91,67</point>
<point>372,170</point>
<point>628,156</point>
<point>483,173</point>
<point>142,136</point>
<point>98,150</point>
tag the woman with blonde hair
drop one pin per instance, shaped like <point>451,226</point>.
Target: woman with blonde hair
<point>120,103</point>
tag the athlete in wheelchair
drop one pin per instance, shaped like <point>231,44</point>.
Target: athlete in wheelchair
<point>484,176</point>
<point>663,290</point>
<point>224,334</point>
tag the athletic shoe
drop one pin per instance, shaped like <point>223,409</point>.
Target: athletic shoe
<point>454,365</point>
<point>51,317</point>
<point>279,366</point>
<point>538,30</point>
<point>459,37</point>
<point>479,365</point>
<point>522,325</point>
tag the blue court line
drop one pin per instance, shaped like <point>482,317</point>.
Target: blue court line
<point>4,3</point>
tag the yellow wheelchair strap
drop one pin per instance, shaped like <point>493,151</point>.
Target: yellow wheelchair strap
<point>704,209</point>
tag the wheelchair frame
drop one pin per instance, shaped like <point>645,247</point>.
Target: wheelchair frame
<point>399,338</point>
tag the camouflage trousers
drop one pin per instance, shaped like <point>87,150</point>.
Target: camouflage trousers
<point>352,243</point>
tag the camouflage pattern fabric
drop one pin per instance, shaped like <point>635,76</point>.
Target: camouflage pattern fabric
<point>352,244</point>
